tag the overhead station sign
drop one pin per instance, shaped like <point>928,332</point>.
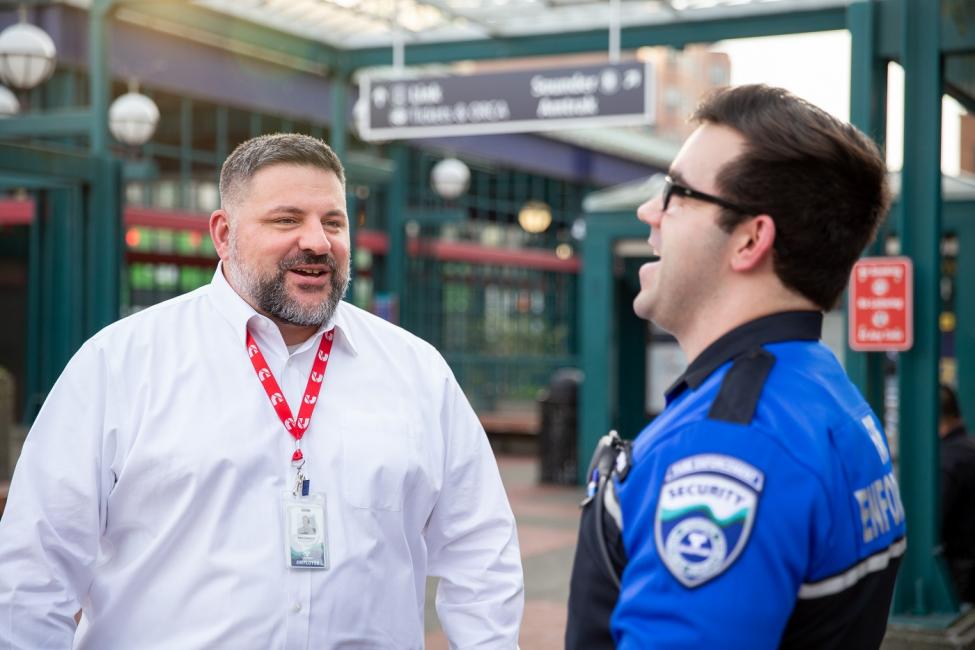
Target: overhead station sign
<point>506,102</point>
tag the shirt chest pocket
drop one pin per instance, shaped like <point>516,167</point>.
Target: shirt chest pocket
<point>378,455</point>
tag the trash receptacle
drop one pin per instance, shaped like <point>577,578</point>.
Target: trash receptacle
<point>558,434</point>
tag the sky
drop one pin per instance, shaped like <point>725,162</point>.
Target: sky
<point>817,68</point>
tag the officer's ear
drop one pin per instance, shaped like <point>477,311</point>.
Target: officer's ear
<point>752,240</point>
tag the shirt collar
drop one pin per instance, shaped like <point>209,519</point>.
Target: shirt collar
<point>784,326</point>
<point>239,313</point>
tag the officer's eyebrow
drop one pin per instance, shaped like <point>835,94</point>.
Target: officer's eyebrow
<point>676,176</point>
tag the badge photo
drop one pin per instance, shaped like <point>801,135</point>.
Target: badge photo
<point>306,544</point>
<point>704,516</point>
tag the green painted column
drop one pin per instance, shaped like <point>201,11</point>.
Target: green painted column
<point>963,226</point>
<point>338,105</point>
<point>596,345</point>
<point>186,198</point>
<point>396,197</point>
<point>868,108</point>
<point>33,392</point>
<point>921,587</point>
<point>105,261</point>
<point>99,79</point>
<point>631,365</point>
<point>222,130</point>
<point>255,125</point>
<point>61,238</point>
<point>598,341</point>
<point>338,141</point>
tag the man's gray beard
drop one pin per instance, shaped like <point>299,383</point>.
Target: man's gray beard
<point>270,294</point>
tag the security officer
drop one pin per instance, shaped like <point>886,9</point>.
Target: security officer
<point>760,509</point>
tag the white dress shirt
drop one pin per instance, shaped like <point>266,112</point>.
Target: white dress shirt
<point>149,494</point>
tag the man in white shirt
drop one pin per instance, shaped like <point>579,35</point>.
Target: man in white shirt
<point>157,488</point>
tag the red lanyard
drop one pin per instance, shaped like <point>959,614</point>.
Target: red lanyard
<point>296,427</point>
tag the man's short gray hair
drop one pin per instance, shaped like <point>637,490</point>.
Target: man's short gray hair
<point>252,155</point>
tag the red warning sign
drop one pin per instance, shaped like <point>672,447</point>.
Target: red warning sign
<point>881,309</point>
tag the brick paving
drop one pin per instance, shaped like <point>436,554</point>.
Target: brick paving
<point>548,518</point>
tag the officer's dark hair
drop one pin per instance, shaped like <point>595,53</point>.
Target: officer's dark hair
<point>253,155</point>
<point>822,181</point>
<point>949,404</point>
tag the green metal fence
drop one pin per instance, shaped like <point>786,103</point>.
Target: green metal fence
<point>504,328</point>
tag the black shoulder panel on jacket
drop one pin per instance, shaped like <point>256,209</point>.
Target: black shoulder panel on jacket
<point>742,387</point>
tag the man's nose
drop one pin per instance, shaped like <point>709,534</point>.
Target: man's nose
<point>651,211</point>
<point>314,239</point>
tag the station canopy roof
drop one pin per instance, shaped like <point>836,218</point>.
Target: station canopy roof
<point>364,27</point>
<point>352,24</point>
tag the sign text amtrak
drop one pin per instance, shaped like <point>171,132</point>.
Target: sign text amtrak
<point>507,102</point>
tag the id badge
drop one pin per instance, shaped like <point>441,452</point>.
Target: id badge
<point>305,538</point>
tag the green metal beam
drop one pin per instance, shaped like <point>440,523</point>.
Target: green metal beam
<point>394,282</point>
<point>436,216</point>
<point>185,152</point>
<point>338,130</point>
<point>960,80</point>
<point>675,34</point>
<point>144,169</point>
<point>104,261</point>
<point>957,35</point>
<point>362,168</point>
<point>959,218</point>
<point>921,589</point>
<point>222,125</point>
<point>868,109</point>
<point>54,123</point>
<point>178,152</point>
<point>51,164</point>
<point>33,386</point>
<point>99,77</point>
<point>339,142</point>
<point>957,22</point>
<point>597,314</point>
<point>60,328</point>
<point>868,72</point>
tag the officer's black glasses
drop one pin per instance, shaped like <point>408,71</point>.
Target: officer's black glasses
<point>671,187</point>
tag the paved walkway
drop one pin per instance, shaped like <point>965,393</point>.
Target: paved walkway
<point>548,519</point>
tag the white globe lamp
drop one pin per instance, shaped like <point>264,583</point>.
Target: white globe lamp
<point>450,178</point>
<point>27,56</point>
<point>132,118</point>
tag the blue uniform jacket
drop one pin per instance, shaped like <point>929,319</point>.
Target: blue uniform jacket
<point>759,510</point>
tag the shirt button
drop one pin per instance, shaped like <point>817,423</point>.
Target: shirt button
<point>296,607</point>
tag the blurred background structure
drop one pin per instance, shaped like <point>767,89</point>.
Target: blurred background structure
<point>515,254</point>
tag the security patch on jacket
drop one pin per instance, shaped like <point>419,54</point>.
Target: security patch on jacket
<point>705,514</point>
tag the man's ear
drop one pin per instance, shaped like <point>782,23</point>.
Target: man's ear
<point>754,239</point>
<point>220,232</point>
